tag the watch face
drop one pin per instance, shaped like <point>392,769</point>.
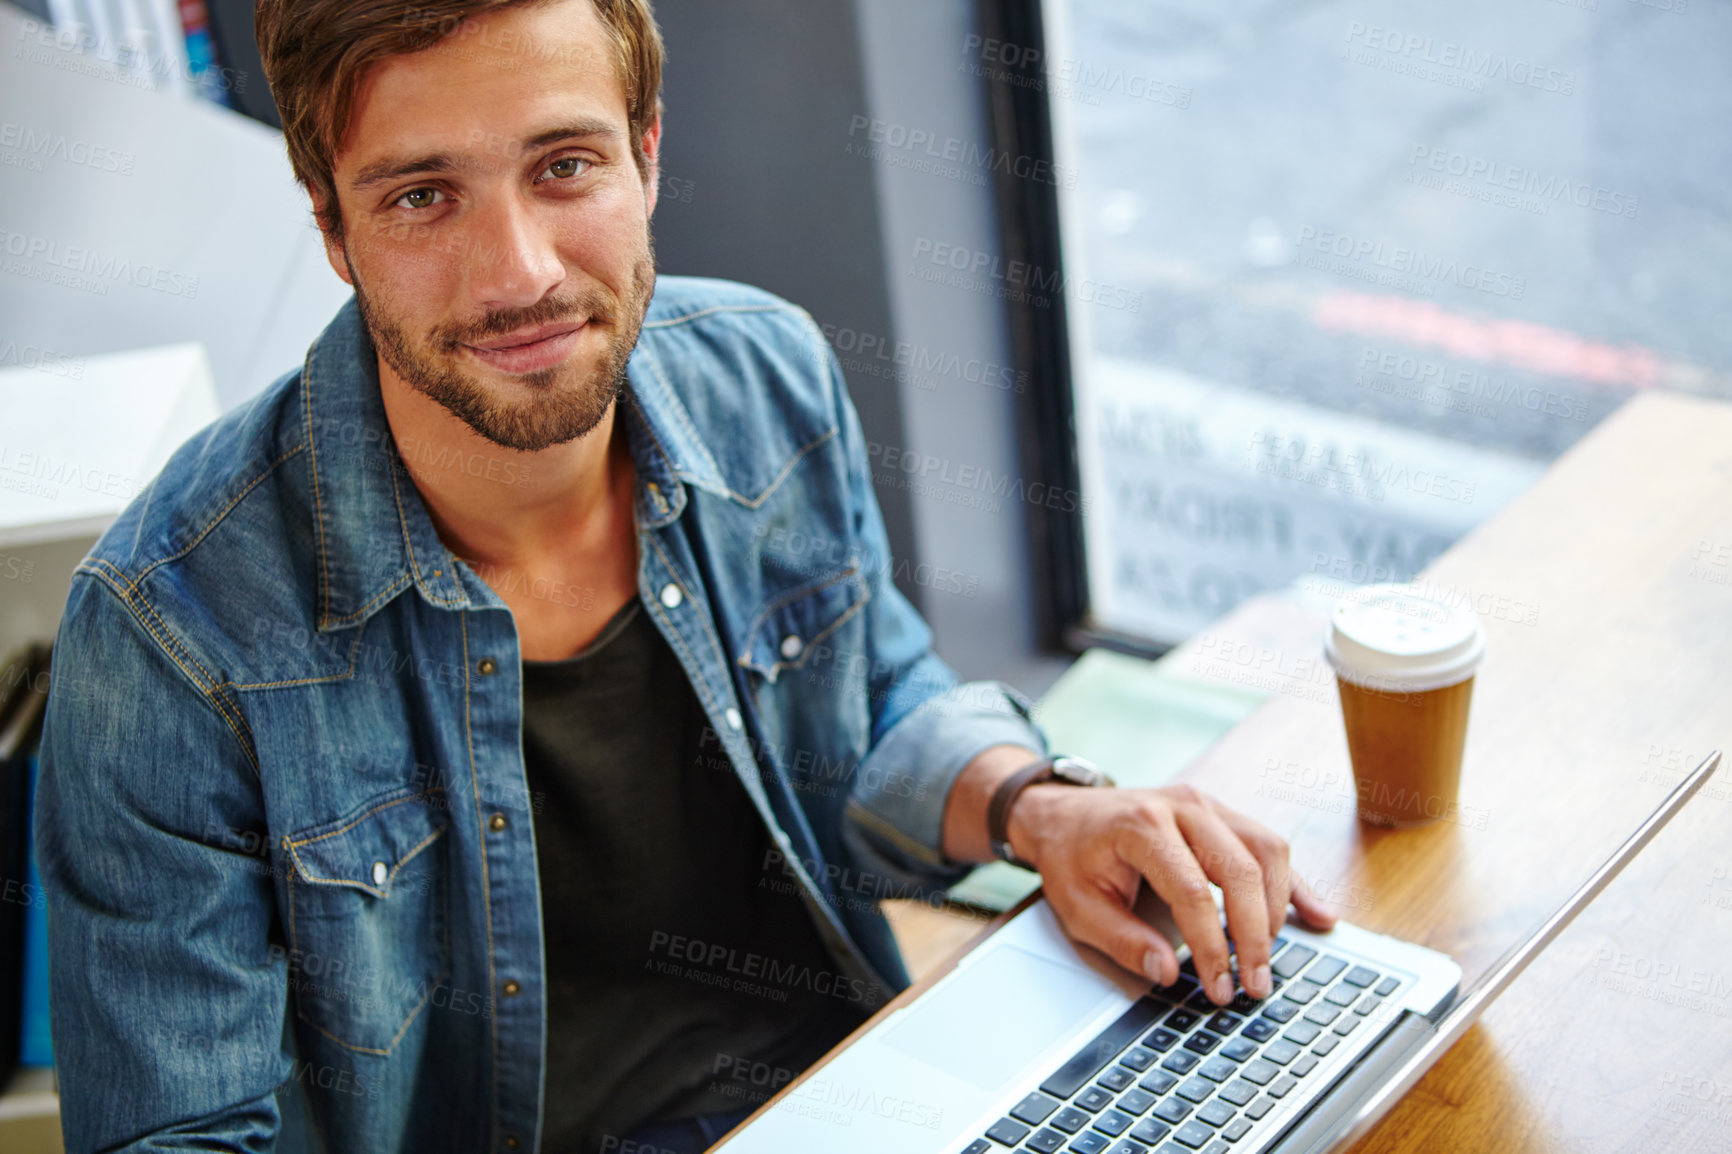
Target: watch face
<point>1075,770</point>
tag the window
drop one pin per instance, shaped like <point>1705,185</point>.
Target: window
<point>1342,279</point>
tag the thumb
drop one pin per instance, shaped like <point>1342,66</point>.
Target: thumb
<point>1102,921</point>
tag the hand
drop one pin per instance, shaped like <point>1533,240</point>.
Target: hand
<point>1094,847</point>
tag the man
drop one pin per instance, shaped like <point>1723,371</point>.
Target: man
<point>480,766</point>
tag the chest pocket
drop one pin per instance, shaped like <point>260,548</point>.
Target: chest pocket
<point>800,627</point>
<point>368,924</point>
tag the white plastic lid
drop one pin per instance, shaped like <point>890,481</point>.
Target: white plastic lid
<point>1390,637</point>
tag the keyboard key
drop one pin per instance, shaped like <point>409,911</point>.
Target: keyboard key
<point>1302,1034</point>
<point>978,1146</point>
<point>1070,1120</point>
<point>1158,1082</point>
<point>1259,1029</point>
<point>1277,946</point>
<point>1173,1110</point>
<point>1239,1092</point>
<point>1244,1003</point>
<point>1387,987</point>
<point>1342,996</point>
<point>1150,1131</point>
<point>1093,1099</point>
<point>1136,1101</point>
<point>1180,1062</point>
<point>1139,1059</point>
<point>1260,1072</point>
<point>1346,1025</point>
<point>1302,992</point>
<point>1202,1042</point>
<point>1126,1146</point>
<point>1007,1132</point>
<point>1280,1010</point>
<point>1368,1004</point>
<point>1322,1015</point>
<point>1360,976</point>
<point>1045,1141</point>
<point>1194,1134</point>
<point>1325,1044</point>
<point>1201,1003</point>
<point>1091,1143</point>
<point>1103,1048</point>
<point>1260,1107</point>
<point>1224,1023</point>
<point>1238,1049</point>
<point>1034,1109</point>
<point>1115,1079</point>
<point>1303,1066</point>
<point>1216,1147</point>
<point>1216,1113</point>
<point>1181,1020</point>
<point>1281,1052</point>
<point>1196,1089</point>
<point>1180,991</point>
<point>1236,1129</point>
<point>1292,960</point>
<point>1113,1122</point>
<point>1326,970</point>
<point>1162,1039</point>
<point>1217,1070</point>
<point>1282,1085</point>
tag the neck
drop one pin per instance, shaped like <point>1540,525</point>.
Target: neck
<point>506,507</point>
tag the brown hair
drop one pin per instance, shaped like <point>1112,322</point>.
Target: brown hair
<point>315,53</point>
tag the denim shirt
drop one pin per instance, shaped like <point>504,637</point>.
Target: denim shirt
<point>282,820</point>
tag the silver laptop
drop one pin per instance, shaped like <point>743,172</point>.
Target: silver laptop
<point>1036,1044</point>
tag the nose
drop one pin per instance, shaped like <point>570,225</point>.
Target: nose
<point>512,261</point>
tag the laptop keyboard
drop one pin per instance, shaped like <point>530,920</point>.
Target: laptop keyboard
<point>1175,1074</point>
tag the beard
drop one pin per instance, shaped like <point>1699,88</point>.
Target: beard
<point>566,401</point>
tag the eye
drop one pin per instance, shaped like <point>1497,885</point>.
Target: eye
<point>419,197</point>
<point>567,167</point>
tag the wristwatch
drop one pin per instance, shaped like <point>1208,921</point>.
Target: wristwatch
<point>1058,769</point>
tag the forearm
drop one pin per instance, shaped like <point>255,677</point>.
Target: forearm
<point>965,837</point>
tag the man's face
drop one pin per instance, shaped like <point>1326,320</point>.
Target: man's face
<point>495,226</point>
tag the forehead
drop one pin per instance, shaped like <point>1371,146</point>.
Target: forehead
<point>495,80</point>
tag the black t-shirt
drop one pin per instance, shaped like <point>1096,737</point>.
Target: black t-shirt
<point>655,902</point>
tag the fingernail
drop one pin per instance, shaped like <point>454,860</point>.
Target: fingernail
<point>1152,966</point>
<point>1260,982</point>
<point>1223,987</point>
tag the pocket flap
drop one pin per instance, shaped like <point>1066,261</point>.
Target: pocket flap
<point>367,850</point>
<point>785,634</point>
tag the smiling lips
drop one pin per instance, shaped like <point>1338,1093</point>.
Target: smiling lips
<point>527,350</point>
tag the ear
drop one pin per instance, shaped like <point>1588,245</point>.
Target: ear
<point>334,254</point>
<point>652,176</point>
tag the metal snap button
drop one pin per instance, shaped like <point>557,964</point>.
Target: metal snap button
<point>487,667</point>
<point>380,873</point>
<point>496,822</point>
<point>791,646</point>
<point>733,716</point>
<point>671,596</point>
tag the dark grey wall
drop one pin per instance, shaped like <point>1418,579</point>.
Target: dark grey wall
<point>756,187</point>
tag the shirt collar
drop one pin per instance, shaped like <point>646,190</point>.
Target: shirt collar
<point>372,534</point>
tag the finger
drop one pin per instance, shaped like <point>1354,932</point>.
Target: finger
<point>1234,868</point>
<point>1271,852</point>
<point>1160,853</point>
<point>1313,910</point>
<point>1102,921</point>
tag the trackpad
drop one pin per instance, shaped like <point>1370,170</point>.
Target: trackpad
<point>989,1020</point>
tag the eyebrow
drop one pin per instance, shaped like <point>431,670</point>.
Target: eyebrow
<point>395,167</point>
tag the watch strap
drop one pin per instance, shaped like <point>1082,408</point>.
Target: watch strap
<point>998,809</point>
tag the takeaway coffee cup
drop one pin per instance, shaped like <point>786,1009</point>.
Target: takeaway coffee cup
<point>1405,665</point>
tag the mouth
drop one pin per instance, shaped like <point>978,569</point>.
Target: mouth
<point>527,350</point>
